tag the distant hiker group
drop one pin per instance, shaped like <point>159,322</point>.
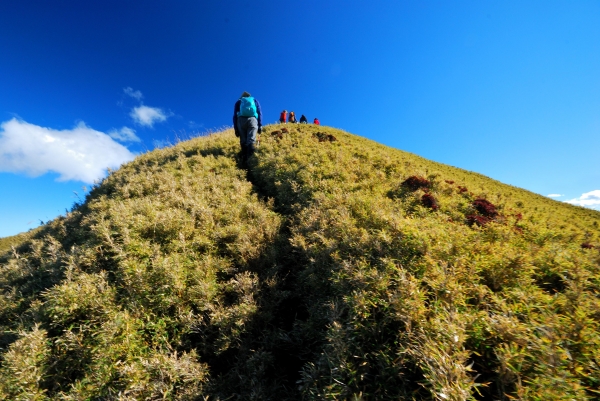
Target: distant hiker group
<point>291,118</point>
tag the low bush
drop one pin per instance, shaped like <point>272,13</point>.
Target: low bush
<point>485,208</point>
<point>413,183</point>
<point>429,201</point>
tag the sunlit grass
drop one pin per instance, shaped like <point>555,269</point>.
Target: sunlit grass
<point>335,268</point>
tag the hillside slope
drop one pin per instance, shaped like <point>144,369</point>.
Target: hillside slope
<point>333,268</point>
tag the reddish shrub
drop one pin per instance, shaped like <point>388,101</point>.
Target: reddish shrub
<point>462,189</point>
<point>519,216</point>
<point>449,182</point>
<point>486,212</point>
<point>275,133</point>
<point>413,183</point>
<point>477,219</point>
<point>485,208</point>
<point>429,201</point>
<point>587,245</point>
<point>284,131</point>
<point>323,137</point>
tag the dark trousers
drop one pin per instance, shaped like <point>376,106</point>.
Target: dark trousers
<point>248,129</point>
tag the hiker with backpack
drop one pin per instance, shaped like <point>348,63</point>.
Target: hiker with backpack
<point>283,117</point>
<point>303,119</point>
<point>247,123</point>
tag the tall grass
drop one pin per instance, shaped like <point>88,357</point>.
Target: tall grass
<point>322,272</point>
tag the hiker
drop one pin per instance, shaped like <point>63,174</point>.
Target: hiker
<point>303,119</point>
<point>292,118</point>
<point>247,122</point>
<point>316,121</point>
<point>282,116</point>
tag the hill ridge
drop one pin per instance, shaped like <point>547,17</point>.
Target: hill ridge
<point>329,269</point>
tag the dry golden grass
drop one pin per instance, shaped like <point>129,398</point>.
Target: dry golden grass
<point>316,274</point>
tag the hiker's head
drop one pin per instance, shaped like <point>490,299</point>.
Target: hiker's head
<point>245,94</point>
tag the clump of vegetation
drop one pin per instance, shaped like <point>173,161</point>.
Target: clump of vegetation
<point>428,200</point>
<point>183,276</point>
<point>477,219</point>
<point>414,183</point>
<point>485,208</point>
<point>485,212</point>
<point>324,137</point>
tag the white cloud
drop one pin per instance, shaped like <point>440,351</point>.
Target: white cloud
<point>80,154</point>
<point>125,134</point>
<point>589,199</point>
<point>195,125</point>
<point>147,116</point>
<point>134,94</point>
<point>160,143</point>
<point>554,195</point>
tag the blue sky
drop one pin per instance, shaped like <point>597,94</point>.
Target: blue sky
<point>508,89</point>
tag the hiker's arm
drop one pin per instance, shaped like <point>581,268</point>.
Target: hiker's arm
<point>259,112</point>
<point>236,109</point>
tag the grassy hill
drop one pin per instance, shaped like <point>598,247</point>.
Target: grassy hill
<point>7,242</point>
<point>333,268</point>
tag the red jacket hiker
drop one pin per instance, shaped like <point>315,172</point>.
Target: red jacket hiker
<point>283,116</point>
<point>316,122</point>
